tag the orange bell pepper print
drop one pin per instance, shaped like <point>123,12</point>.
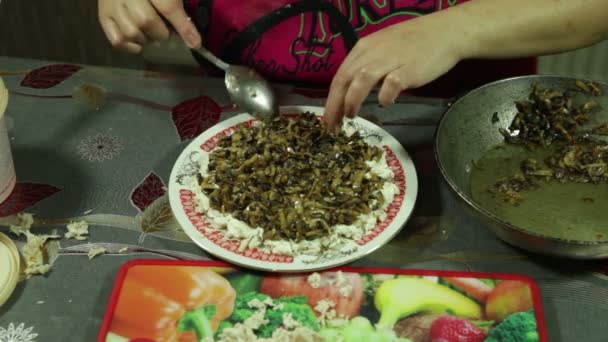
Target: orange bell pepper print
<point>153,299</point>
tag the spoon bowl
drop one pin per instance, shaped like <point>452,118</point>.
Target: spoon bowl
<point>250,91</point>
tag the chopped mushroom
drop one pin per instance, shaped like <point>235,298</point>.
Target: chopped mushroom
<point>547,116</point>
<point>550,120</point>
<point>293,178</point>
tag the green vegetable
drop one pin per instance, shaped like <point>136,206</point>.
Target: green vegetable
<point>111,337</point>
<point>484,325</point>
<point>199,321</point>
<point>371,284</point>
<point>455,288</point>
<point>359,329</point>
<point>298,308</point>
<point>401,297</point>
<point>489,282</point>
<point>517,327</point>
<point>245,282</point>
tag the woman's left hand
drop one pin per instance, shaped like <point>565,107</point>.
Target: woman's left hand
<point>402,56</point>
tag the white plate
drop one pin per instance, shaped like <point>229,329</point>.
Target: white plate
<point>183,202</point>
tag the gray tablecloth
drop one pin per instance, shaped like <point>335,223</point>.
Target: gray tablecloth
<point>108,161</point>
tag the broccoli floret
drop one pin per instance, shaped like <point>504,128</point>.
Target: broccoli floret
<point>297,306</point>
<point>199,321</point>
<point>517,327</point>
<point>361,329</point>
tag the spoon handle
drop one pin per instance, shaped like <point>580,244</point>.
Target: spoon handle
<point>212,58</point>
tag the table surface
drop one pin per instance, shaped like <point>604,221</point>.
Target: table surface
<point>108,161</point>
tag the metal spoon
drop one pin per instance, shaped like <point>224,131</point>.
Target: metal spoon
<point>248,89</point>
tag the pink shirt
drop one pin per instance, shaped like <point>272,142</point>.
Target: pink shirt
<point>304,42</point>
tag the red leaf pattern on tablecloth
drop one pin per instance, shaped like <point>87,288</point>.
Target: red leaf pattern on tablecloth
<point>194,116</point>
<point>49,76</point>
<point>148,191</point>
<point>24,196</point>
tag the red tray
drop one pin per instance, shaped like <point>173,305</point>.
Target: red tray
<point>170,300</point>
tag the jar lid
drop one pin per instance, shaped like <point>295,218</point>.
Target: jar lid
<point>9,264</point>
<point>3,98</point>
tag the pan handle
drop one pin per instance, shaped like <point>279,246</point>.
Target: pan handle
<point>440,105</point>
<point>420,100</point>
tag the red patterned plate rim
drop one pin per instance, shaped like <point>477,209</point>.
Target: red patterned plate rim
<point>183,202</point>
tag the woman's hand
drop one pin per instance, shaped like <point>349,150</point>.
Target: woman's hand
<point>128,24</point>
<point>416,52</point>
<point>402,56</point>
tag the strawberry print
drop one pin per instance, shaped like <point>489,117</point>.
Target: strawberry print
<point>453,329</point>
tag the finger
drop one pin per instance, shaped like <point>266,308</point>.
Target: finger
<point>112,32</point>
<point>127,26</point>
<point>394,83</point>
<point>334,107</point>
<point>358,57</point>
<point>364,80</point>
<point>355,59</point>
<point>147,19</point>
<point>131,47</point>
<point>173,10</point>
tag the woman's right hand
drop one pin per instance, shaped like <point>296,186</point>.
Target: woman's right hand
<point>129,24</point>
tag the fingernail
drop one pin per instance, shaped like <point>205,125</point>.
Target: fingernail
<point>348,111</point>
<point>193,39</point>
<point>116,39</point>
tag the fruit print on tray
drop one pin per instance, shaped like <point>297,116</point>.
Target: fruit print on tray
<point>214,301</point>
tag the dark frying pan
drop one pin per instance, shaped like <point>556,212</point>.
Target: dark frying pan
<point>469,128</point>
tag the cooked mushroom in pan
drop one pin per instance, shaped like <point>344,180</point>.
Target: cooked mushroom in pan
<point>549,120</point>
<point>547,116</point>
